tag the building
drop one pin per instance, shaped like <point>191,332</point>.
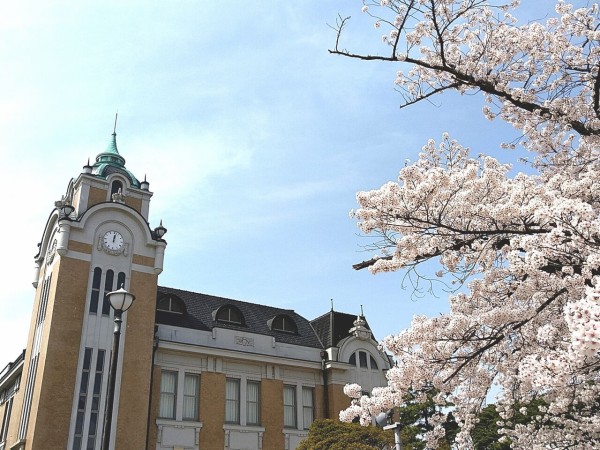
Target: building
<point>194,371</point>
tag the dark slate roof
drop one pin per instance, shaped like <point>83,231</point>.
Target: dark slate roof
<point>334,326</point>
<point>200,309</point>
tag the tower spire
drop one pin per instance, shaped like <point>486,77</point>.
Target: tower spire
<point>112,145</point>
<point>115,127</point>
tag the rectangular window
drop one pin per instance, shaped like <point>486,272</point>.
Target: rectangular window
<point>253,403</point>
<point>83,395</point>
<point>168,390</point>
<point>362,358</point>
<point>95,295</point>
<point>96,393</point>
<point>108,287</point>
<point>308,413</point>
<point>6,420</point>
<point>232,401</point>
<point>289,407</point>
<point>191,383</point>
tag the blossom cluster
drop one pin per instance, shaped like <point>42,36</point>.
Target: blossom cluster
<point>583,320</point>
<point>523,249</point>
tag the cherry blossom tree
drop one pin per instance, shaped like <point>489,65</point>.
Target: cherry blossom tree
<point>524,248</point>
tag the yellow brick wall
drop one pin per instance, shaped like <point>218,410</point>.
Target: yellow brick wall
<point>135,203</point>
<point>143,260</point>
<point>96,196</point>
<point>137,364</point>
<point>319,403</point>
<point>57,368</point>
<point>337,400</point>
<point>271,413</point>
<point>154,408</point>
<point>212,410</point>
<point>80,247</point>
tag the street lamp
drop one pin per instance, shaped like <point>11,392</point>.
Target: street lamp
<point>121,301</point>
<point>385,420</point>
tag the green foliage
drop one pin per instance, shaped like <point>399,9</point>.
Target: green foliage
<point>415,418</point>
<point>485,433</point>
<point>329,434</point>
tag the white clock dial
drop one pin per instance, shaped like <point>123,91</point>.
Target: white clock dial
<point>113,240</point>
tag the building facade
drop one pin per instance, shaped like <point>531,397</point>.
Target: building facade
<point>194,371</point>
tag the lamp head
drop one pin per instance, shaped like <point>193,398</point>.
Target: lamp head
<point>120,300</point>
<point>160,231</point>
<point>384,418</point>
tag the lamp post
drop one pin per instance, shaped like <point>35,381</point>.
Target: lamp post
<point>121,301</point>
<point>385,420</point>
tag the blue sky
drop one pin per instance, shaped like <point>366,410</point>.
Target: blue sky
<point>253,138</point>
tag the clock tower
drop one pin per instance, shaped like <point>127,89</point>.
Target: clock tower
<point>97,239</point>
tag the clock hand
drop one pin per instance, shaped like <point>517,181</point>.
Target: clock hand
<point>114,236</point>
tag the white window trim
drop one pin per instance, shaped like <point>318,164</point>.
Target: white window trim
<point>243,401</point>
<point>300,405</point>
<point>181,372</point>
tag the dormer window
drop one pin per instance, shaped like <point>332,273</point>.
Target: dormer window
<point>284,323</point>
<point>365,360</point>
<point>373,363</point>
<point>352,360</point>
<point>229,314</point>
<point>170,304</point>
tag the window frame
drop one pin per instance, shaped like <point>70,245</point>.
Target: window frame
<point>284,323</point>
<point>6,419</point>
<point>365,360</point>
<point>251,403</point>
<point>224,315</point>
<point>195,396</point>
<point>172,395</point>
<point>174,303</point>
<point>115,186</point>
<point>306,408</point>
<point>235,402</point>
<point>290,407</point>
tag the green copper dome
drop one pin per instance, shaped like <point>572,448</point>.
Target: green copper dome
<point>110,161</point>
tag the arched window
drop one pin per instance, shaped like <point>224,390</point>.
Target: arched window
<point>108,287</point>
<point>170,304</point>
<point>373,363</point>
<point>229,313</point>
<point>95,290</point>
<point>284,323</point>
<point>115,186</point>
<point>365,360</point>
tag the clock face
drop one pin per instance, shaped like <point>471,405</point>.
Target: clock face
<point>113,240</point>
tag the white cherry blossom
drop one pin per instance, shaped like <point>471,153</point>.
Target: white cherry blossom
<point>524,249</point>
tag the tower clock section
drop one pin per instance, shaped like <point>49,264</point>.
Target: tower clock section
<point>96,241</point>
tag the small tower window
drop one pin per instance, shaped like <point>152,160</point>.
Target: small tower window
<point>362,359</point>
<point>170,304</point>
<point>229,313</point>
<point>283,323</point>
<point>373,363</point>
<point>365,360</point>
<point>115,187</point>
